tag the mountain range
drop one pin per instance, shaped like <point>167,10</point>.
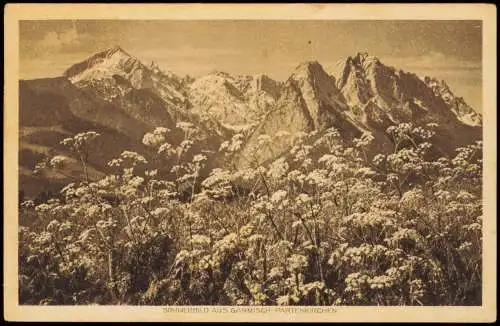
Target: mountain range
<point>122,98</point>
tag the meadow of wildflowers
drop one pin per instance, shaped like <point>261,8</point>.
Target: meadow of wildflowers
<point>328,223</point>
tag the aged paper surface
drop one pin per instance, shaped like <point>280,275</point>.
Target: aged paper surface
<point>25,61</point>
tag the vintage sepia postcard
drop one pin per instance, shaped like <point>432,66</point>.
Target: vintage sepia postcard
<point>253,162</point>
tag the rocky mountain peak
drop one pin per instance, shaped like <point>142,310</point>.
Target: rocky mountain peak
<point>312,75</point>
<point>465,113</point>
<point>153,66</point>
<point>114,58</point>
<point>361,65</point>
<point>130,97</point>
<point>364,59</point>
<point>308,69</point>
<point>117,49</point>
<point>220,73</point>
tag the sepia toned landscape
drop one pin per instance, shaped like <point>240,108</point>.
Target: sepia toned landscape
<point>250,163</point>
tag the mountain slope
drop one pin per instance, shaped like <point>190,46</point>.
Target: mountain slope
<point>53,109</point>
<point>236,102</point>
<point>309,101</point>
<point>380,95</point>
<point>368,96</point>
<point>118,96</point>
<point>147,93</point>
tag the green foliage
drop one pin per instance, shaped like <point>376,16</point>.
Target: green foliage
<point>402,228</point>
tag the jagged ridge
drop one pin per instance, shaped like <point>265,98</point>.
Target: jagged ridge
<point>366,96</point>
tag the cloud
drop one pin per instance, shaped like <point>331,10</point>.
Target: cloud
<point>53,66</point>
<point>186,52</point>
<point>56,41</point>
<point>187,59</point>
<point>463,76</point>
<point>432,60</point>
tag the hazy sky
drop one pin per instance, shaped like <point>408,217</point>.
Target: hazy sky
<point>449,50</point>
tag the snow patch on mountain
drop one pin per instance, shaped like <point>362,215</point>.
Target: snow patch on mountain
<point>465,113</point>
<point>113,72</point>
<point>234,101</point>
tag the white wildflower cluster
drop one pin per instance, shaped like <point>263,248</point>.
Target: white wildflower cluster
<point>465,247</point>
<point>278,196</point>
<point>39,167</point>
<point>314,287</point>
<point>363,254</point>
<point>261,207</point>
<point>303,199</point>
<point>473,227</point>
<point>28,204</point>
<point>418,290</point>
<point>58,161</point>
<point>286,300</point>
<point>109,181</point>
<point>443,195</point>
<point>432,125</point>
<point>365,172</point>
<point>106,224</point>
<point>160,211</point>
<point>380,282</point>
<point>86,235</point>
<point>376,217</point>
<point>278,169</point>
<point>338,253</point>
<point>363,141</point>
<point>403,234</point>
<point>116,162</point>
<point>79,141</point>
<point>467,161</point>
<point>53,226</point>
<point>218,184</point>
<point>297,263</point>
<point>184,147</point>
<point>335,164</point>
<point>301,152</point>
<point>324,224</point>
<point>296,176</point>
<point>318,178</point>
<point>279,200</point>
<point>188,128</point>
<point>331,137</point>
<point>43,208</point>
<point>405,160</point>
<point>424,147</point>
<point>155,138</point>
<point>402,130</point>
<point>128,158</point>
<point>355,282</point>
<point>413,199</point>
<point>133,157</point>
<point>151,173</point>
<point>199,159</point>
<point>379,159</point>
<point>465,196</point>
<point>276,273</point>
<point>65,226</point>
<point>423,133</point>
<point>226,246</point>
<point>167,150</point>
<point>44,238</point>
<point>200,240</point>
<point>233,145</point>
